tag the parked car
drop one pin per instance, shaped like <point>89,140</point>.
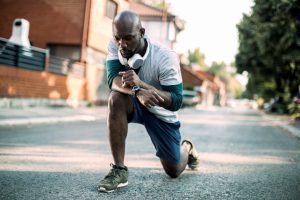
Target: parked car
<point>296,99</point>
<point>242,103</point>
<point>276,105</point>
<point>190,98</point>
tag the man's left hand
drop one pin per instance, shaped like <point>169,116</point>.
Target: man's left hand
<point>149,98</point>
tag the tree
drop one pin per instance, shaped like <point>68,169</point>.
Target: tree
<point>217,68</point>
<point>269,49</point>
<point>196,57</point>
<point>233,86</point>
<point>160,4</point>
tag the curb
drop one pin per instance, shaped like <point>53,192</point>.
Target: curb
<point>291,129</point>
<point>284,124</point>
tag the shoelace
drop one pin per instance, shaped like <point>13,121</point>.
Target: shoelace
<point>113,172</point>
<point>112,176</point>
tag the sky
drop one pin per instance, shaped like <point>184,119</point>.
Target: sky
<point>210,26</point>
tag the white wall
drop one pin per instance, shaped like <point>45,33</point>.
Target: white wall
<point>162,32</point>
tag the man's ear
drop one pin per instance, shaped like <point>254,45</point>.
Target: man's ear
<point>142,32</point>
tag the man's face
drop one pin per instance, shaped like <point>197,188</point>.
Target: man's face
<point>127,39</point>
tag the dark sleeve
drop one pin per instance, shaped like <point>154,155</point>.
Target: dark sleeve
<point>113,67</point>
<point>176,95</point>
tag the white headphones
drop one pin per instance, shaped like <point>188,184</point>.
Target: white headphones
<point>136,61</point>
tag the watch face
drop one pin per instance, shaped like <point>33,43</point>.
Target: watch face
<point>136,88</point>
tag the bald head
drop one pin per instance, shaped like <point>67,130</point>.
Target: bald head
<point>128,20</point>
<point>128,33</point>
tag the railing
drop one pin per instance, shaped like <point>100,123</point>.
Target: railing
<point>35,59</point>
<point>64,66</point>
<point>59,65</point>
<point>19,56</point>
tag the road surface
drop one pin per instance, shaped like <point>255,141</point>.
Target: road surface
<point>244,155</point>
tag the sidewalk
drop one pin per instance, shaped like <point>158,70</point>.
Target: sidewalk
<point>46,115</point>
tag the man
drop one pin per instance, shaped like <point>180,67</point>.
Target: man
<point>146,88</point>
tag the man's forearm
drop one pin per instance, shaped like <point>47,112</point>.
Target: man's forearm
<point>117,86</point>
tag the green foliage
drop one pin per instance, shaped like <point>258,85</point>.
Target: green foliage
<point>162,5</point>
<point>233,86</point>
<point>294,109</point>
<point>90,104</point>
<point>189,87</point>
<point>269,49</point>
<point>196,57</point>
<point>217,68</point>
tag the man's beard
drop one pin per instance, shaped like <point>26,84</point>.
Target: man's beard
<point>127,53</point>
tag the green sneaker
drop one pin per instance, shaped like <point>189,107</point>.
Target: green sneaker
<point>116,178</point>
<point>194,158</point>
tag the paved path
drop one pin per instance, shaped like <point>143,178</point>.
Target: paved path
<point>244,155</point>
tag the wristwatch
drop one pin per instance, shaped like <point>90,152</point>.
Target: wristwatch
<point>135,89</point>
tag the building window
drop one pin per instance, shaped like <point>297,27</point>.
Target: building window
<point>62,59</point>
<point>111,9</point>
<point>65,51</point>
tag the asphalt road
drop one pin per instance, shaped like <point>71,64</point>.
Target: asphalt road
<point>243,156</point>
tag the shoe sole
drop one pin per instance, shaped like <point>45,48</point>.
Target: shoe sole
<point>196,168</point>
<point>102,189</point>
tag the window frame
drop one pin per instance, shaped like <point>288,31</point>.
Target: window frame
<point>109,7</point>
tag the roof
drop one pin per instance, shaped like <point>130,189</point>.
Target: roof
<point>204,75</point>
<point>147,10</point>
<point>189,77</point>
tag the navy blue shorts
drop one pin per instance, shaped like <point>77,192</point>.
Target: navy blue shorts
<point>165,136</point>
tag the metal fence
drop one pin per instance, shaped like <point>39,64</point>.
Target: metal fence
<point>19,56</point>
<point>59,65</point>
<point>65,66</point>
<point>36,59</point>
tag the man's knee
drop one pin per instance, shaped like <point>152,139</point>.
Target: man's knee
<point>119,103</point>
<point>173,173</point>
<point>173,170</point>
<point>117,100</point>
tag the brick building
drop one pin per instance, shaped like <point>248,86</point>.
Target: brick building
<point>75,34</point>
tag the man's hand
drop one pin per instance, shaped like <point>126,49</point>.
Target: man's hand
<point>149,98</point>
<point>129,78</point>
